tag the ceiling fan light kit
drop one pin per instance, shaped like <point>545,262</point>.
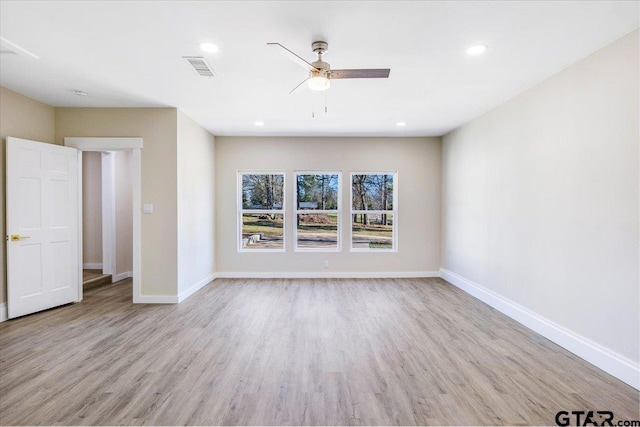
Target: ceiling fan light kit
<point>318,81</point>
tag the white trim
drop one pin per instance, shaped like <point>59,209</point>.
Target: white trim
<point>195,288</point>
<point>136,178</point>
<point>103,144</point>
<point>80,228</point>
<point>170,299</point>
<point>116,144</point>
<point>108,191</point>
<point>609,361</point>
<point>92,266</point>
<point>3,312</point>
<point>156,299</point>
<point>121,276</point>
<point>327,275</point>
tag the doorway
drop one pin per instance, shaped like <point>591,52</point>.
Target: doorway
<point>107,220</point>
<point>110,149</point>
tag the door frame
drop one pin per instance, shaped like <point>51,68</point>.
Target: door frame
<point>102,144</point>
<point>107,178</point>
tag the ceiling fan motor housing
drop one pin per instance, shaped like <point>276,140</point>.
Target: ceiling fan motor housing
<point>320,47</point>
<point>323,67</point>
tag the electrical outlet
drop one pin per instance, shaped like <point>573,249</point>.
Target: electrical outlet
<point>147,208</point>
<point>325,264</point>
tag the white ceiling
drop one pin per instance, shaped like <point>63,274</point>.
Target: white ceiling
<point>129,54</point>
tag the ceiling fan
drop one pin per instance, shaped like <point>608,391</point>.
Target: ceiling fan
<point>321,74</point>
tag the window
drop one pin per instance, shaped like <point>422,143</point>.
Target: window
<point>261,211</point>
<point>373,211</point>
<point>317,202</point>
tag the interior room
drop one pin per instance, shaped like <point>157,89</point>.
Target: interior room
<point>320,213</point>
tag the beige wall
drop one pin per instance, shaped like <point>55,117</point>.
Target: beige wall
<point>196,204</point>
<point>124,212</point>
<point>540,199</point>
<point>26,118</point>
<point>92,207</point>
<point>158,128</point>
<point>417,161</point>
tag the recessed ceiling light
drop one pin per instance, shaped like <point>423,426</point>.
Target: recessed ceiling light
<point>208,47</point>
<point>258,123</point>
<point>81,93</point>
<point>401,124</point>
<point>477,49</point>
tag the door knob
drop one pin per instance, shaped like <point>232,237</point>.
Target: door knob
<point>17,237</point>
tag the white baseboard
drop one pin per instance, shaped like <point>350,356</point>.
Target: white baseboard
<point>195,288</point>
<point>602,357</point>
<point>3,312</point>
<point>171,299</point>
<point>326,275</point>
<point>121,276</point>
<point>92,266</point>
<point>155,299</point>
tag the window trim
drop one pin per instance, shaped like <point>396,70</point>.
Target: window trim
<point>394,212</point>
<point>297,211</point>
<point>240,211</point>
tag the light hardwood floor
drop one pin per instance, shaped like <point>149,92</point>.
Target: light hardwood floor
<point>274,352</point>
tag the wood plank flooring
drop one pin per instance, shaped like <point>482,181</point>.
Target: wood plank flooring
<point>293,352</point>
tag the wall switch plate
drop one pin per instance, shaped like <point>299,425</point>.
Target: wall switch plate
<point>147,208</point>
<point>325,264</point>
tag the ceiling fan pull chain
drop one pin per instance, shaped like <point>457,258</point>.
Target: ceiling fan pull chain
<point>325,102</point>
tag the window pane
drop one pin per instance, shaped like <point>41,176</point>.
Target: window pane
<point>372,231</point>
<point>317,191</point>
<point>262,191</point>
<point>262,231</point>
<point>372,192</point>
<point>317,231</point>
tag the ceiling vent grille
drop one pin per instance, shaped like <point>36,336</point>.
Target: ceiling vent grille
<point>200,65</point>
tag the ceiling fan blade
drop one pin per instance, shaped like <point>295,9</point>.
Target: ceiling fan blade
<point>366,73</point>
<point>294,57</point>
<point>301,83</point>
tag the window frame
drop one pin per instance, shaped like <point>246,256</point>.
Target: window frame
<point>394,212</point>
<point>241,211</point>
<point>297,211</point>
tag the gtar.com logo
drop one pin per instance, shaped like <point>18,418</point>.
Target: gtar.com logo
<point>584,418</point>
<point>591,418</point>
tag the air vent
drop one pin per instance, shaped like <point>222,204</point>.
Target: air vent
<point>200,65</point>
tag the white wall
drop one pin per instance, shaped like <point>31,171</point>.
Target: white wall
<point>196,206</point>
<point>158,128</point>
<point>124,212</point>
<point>417,161</point>
<point>92,209</point>
<point>540,200</point>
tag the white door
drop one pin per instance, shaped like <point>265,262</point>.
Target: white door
<point>42,226</point>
